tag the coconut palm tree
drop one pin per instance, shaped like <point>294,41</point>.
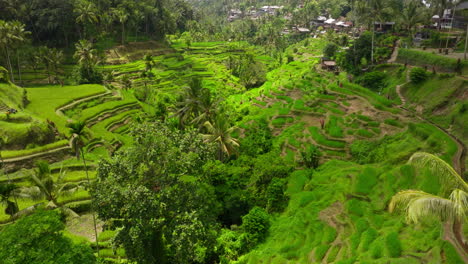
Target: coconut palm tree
<point>121,15</point>
<point>85,53</point>
<point>412,14</point>
<point>86,14</point>
<point>450,208</point>
<point>221,132</point>
<point>78,136</point>
<point>78,133</point>
<point>11,35</point>
<point>6,191</point>
<point>46,187</point>
<point>192,100</point>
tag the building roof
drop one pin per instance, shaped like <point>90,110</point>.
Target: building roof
<point>329,63</point>
<point>303,30</point>
<point>330,21</point>
<point>463,5</point>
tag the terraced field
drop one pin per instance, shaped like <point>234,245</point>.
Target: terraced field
<point>302,105</point>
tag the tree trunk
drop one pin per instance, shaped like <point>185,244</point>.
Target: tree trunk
<point>372,50</point>
<point>19,68</point>
<point>458,232</point>
<point>9,64</point>
<point>94,215</point>
<point>123,33</point>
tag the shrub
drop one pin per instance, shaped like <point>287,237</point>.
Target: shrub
<point>311,157</point>
<point>3,75</point>
<point>418,75</point>
<point>393,245</point>
<point>276,200</point>
<point>375,80</point>
<point>84,75</point>
<point>330,50</point>
<point>255,225</point>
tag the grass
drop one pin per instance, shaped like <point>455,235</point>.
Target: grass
<point>322,140</point>
<point>25,152</point>
<point>46,99</point>
<point>422,58</point>
<point>333,128</point>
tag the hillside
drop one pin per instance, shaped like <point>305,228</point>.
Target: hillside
<point>233,132</point>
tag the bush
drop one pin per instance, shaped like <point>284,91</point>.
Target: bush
<point>393,245</point>
<point>330,50</point>
<point>255,225</point>
<point>87,75</point>
<point>276,200</point>
<point>422,58</point>
<point>375,80</point>
<point>3,75</point>
<point>418,75</point>
<point>311,157</point>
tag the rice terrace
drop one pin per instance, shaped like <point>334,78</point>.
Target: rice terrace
<point>240,131</point>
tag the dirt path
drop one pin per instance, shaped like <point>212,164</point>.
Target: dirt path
<point>39,154</point>
<point>459,157</point>
<point>59,111</point>
<point>395,53</point>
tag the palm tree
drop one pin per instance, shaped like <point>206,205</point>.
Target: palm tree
<point>221,133</point>
<point>6,191</point>
<point>411,15</point>
<point>46,187</point>
<point>378,10</point>
<point>11,35</point>
<point>86,55</point>
<point>419,205</point>
<point>87,14</point>
<point>149,62</point>
<point>78,133</point>
<point>122,16</point>
<point>190,105</point>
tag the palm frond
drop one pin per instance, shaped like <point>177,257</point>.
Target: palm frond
<point>419,205</point>
<point>33,193</point>
<point>459,199</point>
<point>448,177</point>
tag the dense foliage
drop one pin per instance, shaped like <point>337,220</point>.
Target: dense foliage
<point>38,239</point>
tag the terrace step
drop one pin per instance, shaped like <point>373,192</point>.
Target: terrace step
<point>112,112</point>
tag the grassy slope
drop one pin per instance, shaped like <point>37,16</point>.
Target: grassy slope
<point>365,232</point>
<point>10,95</point>
<point>362,193</point>
<point>442,100</point>
<point>46,99</point>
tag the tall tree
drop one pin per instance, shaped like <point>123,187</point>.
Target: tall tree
<point>121,15</point>
<point>86,15</point>
<point>11,34</point>
<point>220,132</point>
<point>154,194</point>
<point>46,187</point>
<point>78,135</point>
<point>419,205</point>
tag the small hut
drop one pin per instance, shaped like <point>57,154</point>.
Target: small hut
<point>328,64</point>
